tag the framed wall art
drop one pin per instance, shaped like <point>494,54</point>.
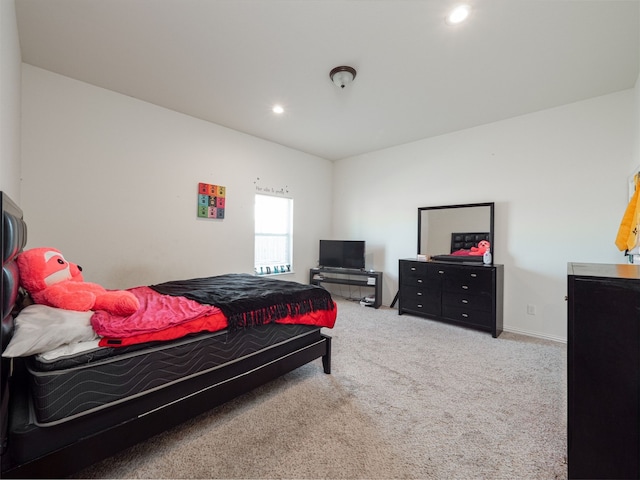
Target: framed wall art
<point>211,200</point>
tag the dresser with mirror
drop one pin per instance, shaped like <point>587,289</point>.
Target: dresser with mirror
<point>451,279</point>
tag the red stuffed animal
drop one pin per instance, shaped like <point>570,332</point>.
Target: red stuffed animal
<point>482,247</point>
<point>51,280</point>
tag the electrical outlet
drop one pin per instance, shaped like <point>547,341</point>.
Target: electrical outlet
<point>531,309</point>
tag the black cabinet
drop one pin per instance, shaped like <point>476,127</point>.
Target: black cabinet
<point>603,371</point>
<point>469,295</point>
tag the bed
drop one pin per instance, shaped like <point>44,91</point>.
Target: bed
<point>462,244</point>
<point>74,405</point>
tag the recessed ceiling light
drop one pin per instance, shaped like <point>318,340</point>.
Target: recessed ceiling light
<point>458,15</point>
<point>278,109</point>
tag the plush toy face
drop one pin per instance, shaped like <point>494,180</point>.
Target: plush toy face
<point>42,267</point>
<point>484,245</point>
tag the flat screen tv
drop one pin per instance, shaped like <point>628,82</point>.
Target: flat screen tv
<point>342,254</point>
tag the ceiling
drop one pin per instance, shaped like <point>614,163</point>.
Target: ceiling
<point>229,61</point>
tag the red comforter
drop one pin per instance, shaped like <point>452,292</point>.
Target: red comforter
<point>167,317</point>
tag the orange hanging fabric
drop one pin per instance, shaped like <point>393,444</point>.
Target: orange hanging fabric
<point>628,232</point>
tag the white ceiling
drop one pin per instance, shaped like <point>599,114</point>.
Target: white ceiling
<point>229,61</point>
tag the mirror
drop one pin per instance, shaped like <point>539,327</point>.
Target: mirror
<point>437,226</point>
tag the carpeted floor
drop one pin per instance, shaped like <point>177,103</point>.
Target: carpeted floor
<point>407,398</point>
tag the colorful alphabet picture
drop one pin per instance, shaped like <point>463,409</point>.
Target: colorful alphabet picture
<point>211,200</point>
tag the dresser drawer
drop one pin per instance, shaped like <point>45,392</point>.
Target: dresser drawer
<point>420,294</point>
<point>474,281</point>
<point>411,269</point>
<point>461,314</point>
<point>419,303</point>
<point>420,274</point>
<point>468,301</point>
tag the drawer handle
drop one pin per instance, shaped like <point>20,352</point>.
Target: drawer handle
<point>440,272</point>
<point>413,269</point>
<point>419,305</point>
<point>465,315</point>
<point>419,294</point>
<point>419,280</point>
<point>474,275</point>
<point>465,287</point>
<point>465,301</point>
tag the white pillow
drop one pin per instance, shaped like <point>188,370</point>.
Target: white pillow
<point>69,350</point>
<point>40,328</point>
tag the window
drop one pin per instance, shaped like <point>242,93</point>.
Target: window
<point>274,234</point>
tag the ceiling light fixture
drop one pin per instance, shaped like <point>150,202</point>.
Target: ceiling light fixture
<point>342,76</point>
<point>278,109</point>
<point>458,15</point>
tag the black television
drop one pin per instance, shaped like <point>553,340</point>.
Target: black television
<point>342,254</point>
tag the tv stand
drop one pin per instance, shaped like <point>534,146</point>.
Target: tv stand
<point>345,276</point>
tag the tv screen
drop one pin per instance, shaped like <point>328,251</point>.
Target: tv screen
<point>342,253</point>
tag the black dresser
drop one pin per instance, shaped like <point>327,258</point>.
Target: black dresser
<point>465,294</point>
<point>603,371</point>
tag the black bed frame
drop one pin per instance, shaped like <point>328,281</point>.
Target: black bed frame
<point>122,426</point>
<point>466,240</point>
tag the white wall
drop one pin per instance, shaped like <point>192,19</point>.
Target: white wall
<point>10,64</point>
<point>559,181</point>
<point>636,126</point>
<point>635,162</point>
<point>112,182</point>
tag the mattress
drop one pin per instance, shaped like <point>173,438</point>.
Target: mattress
<point>68,388</point>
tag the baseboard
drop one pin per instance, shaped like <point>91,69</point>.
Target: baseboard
<point>553,338</point>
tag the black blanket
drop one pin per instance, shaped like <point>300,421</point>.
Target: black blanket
<point>247,300</point>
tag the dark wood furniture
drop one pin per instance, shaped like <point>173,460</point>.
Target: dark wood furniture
<point>603,371</point>
<point>469,295</point>
<point>344,276</point>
